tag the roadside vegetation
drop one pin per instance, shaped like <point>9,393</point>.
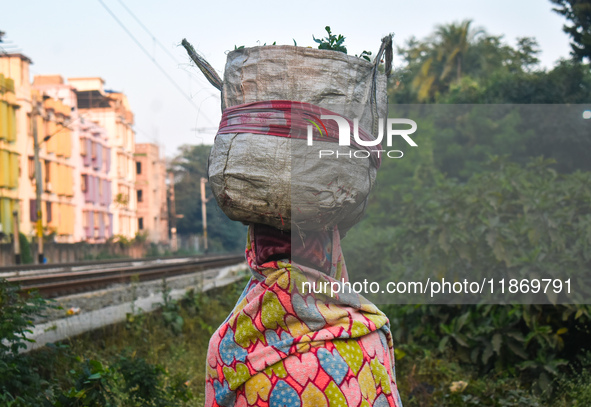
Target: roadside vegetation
<point>158,359</point>
<point>154,359</point>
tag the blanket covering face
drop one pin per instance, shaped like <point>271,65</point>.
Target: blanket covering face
<point>283,346</point>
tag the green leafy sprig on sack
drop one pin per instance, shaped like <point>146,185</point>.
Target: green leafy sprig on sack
<point>335,43</point>
<point>365,55</point>
<point>332,42</point>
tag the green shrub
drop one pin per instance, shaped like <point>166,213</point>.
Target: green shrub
<point>143,381</point>
<point>26,254</point>
<point>17,374</point>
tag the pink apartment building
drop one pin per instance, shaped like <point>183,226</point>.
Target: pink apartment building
<point>152,208</point>
<point>92,197</point>
<point>96,186</point>
<point>111,111</point>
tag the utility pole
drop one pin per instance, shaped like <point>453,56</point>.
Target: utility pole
<point>204,213</point>
<point>39,183</point>
<point>172,219</point>
<point>17,241</point>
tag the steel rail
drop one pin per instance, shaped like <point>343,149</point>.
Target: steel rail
<point>56,284</point>
<point>90,263</point>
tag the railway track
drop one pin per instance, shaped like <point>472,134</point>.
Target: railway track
<point>57,280</point>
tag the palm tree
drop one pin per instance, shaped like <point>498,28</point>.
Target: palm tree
<point>447,49</point>
<point>454,41</point>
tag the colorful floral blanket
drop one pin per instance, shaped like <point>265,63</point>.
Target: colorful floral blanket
<point>282,347</point>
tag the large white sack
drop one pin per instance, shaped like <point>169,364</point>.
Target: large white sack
<point>279,181</point>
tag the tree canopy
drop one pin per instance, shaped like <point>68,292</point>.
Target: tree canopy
<point>189,166</point>
<point>578,12</point>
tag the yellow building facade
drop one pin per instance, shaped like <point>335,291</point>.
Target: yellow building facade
<point>20,105</point>
<point>15,123</point>
<point>9,156</point>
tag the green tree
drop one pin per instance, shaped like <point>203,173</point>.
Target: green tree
<point>189,166</point>
<point>578,12</point>
<point>453,52</point>
<point>455,39</point>
<point>490,72</point>
<point>458,59</point>
<point>443,211</point>
<point>444,59</point>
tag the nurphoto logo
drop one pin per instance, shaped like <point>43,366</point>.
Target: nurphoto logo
<point>345,132</point>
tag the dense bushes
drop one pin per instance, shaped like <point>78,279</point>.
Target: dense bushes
<point>512,220</point>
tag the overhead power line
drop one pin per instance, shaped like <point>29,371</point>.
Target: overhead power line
<point>145,51</point>
<point>155,39</point>
<point>148,31</point>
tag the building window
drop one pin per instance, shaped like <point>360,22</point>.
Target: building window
<point>31,167</point>
<point>33,210</point>
<point>48,209</point>
<point>140,195</point>
<point>140,223</point>
<point>138,167</point>
<point>83,183</point>
<point>47,171</point>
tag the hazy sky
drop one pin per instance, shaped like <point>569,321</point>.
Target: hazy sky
<point>80,38</point>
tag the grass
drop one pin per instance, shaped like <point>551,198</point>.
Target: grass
<point>150,337</point>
